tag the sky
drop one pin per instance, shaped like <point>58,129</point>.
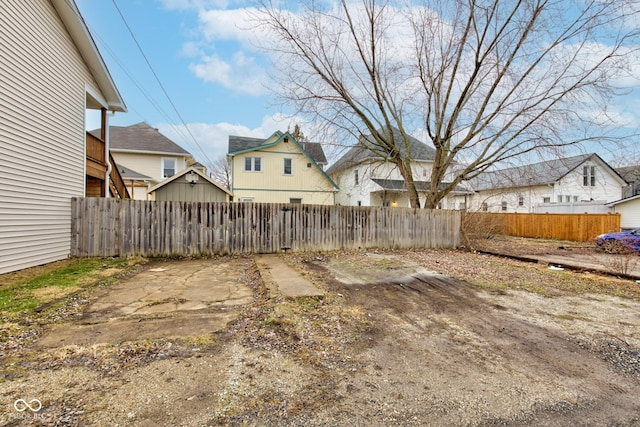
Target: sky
<point>215,80</point>
<point>195,62</point>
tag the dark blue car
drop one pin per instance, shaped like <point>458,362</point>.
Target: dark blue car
<point>619,242</point>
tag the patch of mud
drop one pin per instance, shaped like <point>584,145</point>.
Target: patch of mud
<point>446,354</point>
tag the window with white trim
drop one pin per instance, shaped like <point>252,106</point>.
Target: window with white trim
<point>589,176</point>
<point>253,164</point>
<point>504,206</point>
<point>169,167</point>
<point>287,167</point>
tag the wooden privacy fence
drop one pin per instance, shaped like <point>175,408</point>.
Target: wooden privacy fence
<point>576,227</point>
<point>109,227</point>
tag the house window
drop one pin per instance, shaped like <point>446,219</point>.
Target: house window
<point>169,167</point>
<point>246,199</point>
<point>546,200</point>
<point>356,177</point>
<point>504,206</point>
<point>576,198</point>
<point>295,201</point>
<point>485,207</point>
<point>253,164</point>
<point>359,203</point>
<point>567,199</point>
<point>589,176</point>
<point>521,201</point>
<point>288,167</point>
<point>559,199</point>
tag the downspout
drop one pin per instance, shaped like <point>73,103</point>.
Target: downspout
<point>105,133</point>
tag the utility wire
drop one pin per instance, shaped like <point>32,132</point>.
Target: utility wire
<point>160,84</point>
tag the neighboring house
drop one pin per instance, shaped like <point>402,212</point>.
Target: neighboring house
<point>137,183</point>
<point>51,74</point>
<point>190,185</point>
<point>578,184</point>
<point>147,151</point>
<point>631,174</point>
<point>279,169</point>
<point>366,179</point>
<point>629,210</point>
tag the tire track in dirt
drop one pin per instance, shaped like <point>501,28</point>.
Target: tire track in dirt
<point>454,358</point>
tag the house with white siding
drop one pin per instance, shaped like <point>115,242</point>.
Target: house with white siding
<point>629,210</point>
<point>367,179</point>
<point>279,169</point>
<point>51,74</point>
<point>577,184</point>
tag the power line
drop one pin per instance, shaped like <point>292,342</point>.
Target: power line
<point>175,109</point>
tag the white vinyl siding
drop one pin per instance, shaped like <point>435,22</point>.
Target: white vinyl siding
<point>42,136</point>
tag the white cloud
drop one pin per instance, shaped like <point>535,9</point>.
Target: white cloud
<point>230,24</point>
<point>242,74</point>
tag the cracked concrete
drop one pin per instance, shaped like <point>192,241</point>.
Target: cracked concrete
<point>169,298</point>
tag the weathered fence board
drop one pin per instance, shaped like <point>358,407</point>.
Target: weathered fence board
<point>109,227</point>
<point>575,227</point>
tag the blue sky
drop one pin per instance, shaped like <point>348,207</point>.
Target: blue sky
<point>218,82</point>
<point>204,61</point>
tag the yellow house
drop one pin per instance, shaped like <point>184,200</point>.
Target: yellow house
<point>279,170</point>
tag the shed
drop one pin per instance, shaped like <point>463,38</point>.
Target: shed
<point>629,210</point>
<point>190,185</point>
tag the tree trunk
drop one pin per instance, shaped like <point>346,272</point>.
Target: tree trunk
<point>412,193</point>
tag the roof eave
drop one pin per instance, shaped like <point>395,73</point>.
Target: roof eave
<point>70,15</point>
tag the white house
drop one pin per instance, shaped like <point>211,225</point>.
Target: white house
<point>366,179</point>
<point>629,210</point>
<point>578,184</point>
<point>51,73</point>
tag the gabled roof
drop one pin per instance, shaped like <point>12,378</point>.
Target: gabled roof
<point>243,144</point>
<point>183,173</point>
<point>399,185</point>
<point>542,173</point>
<point>360,152</point>
<point>72,19</point>
<point>140,137</point>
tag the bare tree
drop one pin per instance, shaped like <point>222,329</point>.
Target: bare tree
<point>221,172</point>
<point>483,80</point>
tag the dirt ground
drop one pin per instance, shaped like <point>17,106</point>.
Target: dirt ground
<point>432,337</point>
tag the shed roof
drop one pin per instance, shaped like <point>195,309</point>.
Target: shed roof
<point>183,173</point>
